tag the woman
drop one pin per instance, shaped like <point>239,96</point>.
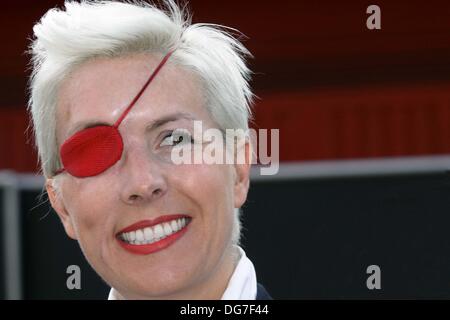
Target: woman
<point>116,88</point>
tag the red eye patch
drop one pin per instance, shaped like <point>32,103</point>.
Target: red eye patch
<point>91,151</point>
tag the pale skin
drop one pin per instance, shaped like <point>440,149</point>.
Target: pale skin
<point>141,185</point>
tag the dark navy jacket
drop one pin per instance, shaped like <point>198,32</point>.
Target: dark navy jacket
<point>262,294</point>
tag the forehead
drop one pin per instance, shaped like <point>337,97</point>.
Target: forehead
<point>102,88</point>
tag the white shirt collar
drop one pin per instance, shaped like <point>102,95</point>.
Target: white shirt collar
<point>242,284</point>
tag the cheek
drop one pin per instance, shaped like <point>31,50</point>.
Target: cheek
<point>87,203</point>
<point>207,183</point>
<point>210,188</point>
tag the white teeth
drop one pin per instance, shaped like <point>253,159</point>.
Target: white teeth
<point>148,234</point>
<point>167,229</point>
<point>155,233</point>
<point>174,226</point>
<point>158,231</point>
<point>139,235</point>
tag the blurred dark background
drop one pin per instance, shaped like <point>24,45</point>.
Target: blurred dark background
<point>338,92</point>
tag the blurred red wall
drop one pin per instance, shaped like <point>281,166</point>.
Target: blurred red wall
<point>334,88</point>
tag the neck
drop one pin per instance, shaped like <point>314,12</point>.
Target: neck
<point>210,288</point>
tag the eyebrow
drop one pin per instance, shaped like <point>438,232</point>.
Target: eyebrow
<point>153,125</point>
<point>169,118</point>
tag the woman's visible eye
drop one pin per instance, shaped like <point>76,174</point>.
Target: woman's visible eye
<point>177,136</point>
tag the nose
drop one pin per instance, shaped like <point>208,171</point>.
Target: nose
<point>143,179</point>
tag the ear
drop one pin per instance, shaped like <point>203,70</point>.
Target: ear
<point>59,207</point>
<point>242,177</point>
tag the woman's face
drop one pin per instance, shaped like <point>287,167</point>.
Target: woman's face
<point>143,185</point>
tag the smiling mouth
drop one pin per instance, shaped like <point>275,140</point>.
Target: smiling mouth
<point>149,236</point>
<point>157,232</point>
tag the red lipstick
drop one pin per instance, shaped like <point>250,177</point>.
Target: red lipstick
<point>144,249</point>
<point>152,222</point>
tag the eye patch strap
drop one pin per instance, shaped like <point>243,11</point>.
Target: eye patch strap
<point>104,138</point>
<point>124,114</point>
